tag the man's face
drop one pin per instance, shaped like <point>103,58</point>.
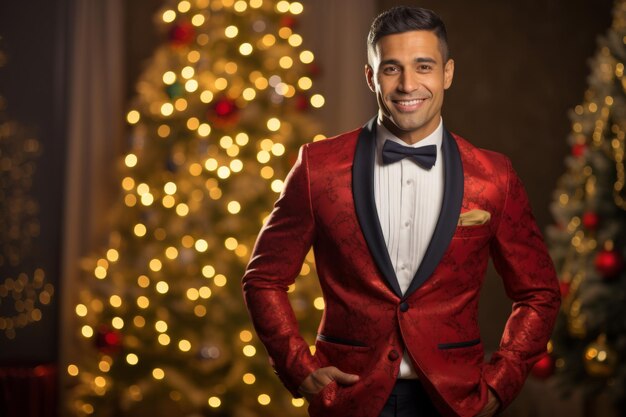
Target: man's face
<point>408,75</point>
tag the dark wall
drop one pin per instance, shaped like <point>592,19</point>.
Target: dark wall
<point>33,84</point>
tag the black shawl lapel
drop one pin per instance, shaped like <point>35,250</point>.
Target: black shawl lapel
<point>365,204</point>
<point>449,215</point>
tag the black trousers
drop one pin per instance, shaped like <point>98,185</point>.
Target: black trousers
<point>409,399</point>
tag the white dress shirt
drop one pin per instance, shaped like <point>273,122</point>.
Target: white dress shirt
<point>408,200</point>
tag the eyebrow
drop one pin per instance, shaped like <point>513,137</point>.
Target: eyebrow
<point>420,60</point>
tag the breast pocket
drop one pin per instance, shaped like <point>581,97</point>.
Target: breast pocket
<point>464,232</point>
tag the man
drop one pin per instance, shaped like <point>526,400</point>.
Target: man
<point>403,216</point>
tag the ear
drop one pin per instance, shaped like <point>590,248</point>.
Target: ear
<point>448,74</point>
<point>369,75</point>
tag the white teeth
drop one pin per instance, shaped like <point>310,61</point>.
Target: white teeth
<point>409,102</point>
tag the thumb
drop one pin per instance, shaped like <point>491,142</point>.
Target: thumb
<point>344,378</point>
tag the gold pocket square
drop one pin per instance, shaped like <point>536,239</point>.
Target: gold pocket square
<point>474,218</point>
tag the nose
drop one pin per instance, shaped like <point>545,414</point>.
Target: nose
<point>409,81</point>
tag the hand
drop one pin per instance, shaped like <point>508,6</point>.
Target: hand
<point>321,377</point>
<point>493,404</point>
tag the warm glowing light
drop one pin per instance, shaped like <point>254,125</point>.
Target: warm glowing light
<point>214,402</point>
<point>223,172</point>
<point>282,6</point>
<point>160,326</point>
<point>162,287</point>
<point>155,265</point>
<point>242,139</point>
<point>139,321</point>
<point>128,183</point>
<point>277,186</point>
<point>249,350</point>
<point>170,188</point>
<point>193,56</point>
<point>305,83</point>
<point>306,57</point>
<point>184,6</point>
<point>99,382</point>
<point>204,292</point>
<point>193,294</point>
<point>297,402</point>
<point>169,77</point>
<point>187,72</point>
<point>182,209</point>
<point>132,117</point>
<point>226,142</point>
<point>285,32</point>
<point>245,48</point>
<point>245,336</point>
<point>86,331</point>
<point>206,96</point>
<point>278,149</point>
<point>171,252</point>
<point>208,271</point>
<point>163,131</point>
<point>318,137</point>
<point>295,40</point>
<point>72,370</point>
<point>285,62</point>
<point>211,164</point>
<point>104,366</point>
<point>143,281</point>
<point>249,378</point>
<point>204,130</point>
<point>219,280</point>
<point>191,85</point>
<point>249,94</point>
<point>273,124</point>
<point>167,109</point>
<point>268,40</point>
<point>158,373</point>
<point>130,200</point>
<point>231,31</point>
<point>255,4</point>
<point>115,301</point>
<point>81,310</point>
<point>296,7</point>
<point>130,160</point>
<point>147,199</point>
<point>201,245</point>
<point>234,207</point>
<point>230,68</point>
<point>199,311</point>
<point>143,302</point>
<point>261,83</point>
<point>240,6</point>
<point>236,165</point>
<point>164,339</point>
<point>267,172</point>
<point>132,359</point>
<point>317,100</point>
<point>113,255</point>
<point>184,345</point>
<point>264,399</point>
<point>169,16</point>
<point>140,230</point>
<point>117,323</point>
<point>100,272</point>
<point>197,20</point>
<point>318,303</point>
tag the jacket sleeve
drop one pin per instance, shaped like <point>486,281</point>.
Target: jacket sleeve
<point>521,258</point>
<point>276,260</point>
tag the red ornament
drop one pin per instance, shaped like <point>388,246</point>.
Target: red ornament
<point>564,287</point>
<point>608,263</point>
<point>302,102</point>
<point>108,340</point>
<point>579,149</point>
<point>224,112</point>
<point>544,367</point>
<point>182,34</point>
<point>288,21</point>
<point>591,220</point>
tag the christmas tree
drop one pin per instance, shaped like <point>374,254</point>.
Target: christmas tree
<point>220,113</point>
<point>588,240</point>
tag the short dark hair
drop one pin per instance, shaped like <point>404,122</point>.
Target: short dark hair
<point>402,19</point>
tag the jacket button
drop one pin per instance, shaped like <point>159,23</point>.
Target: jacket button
<point>404,306</point>
<point>393,355</point>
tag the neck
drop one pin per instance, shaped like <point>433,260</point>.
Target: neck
<point>410,137</point>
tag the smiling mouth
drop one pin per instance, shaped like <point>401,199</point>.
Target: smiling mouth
<point>408,105</point>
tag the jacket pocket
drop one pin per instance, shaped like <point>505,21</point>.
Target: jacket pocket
<point>340,341</point>
<point>457,345</point>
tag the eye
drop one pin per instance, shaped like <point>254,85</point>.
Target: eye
<point>390,70</point>
<point>424,67</point>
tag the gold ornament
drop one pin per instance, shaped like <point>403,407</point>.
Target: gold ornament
<point>600,359</point>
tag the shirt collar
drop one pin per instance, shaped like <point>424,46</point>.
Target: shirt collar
<point>435,138</point>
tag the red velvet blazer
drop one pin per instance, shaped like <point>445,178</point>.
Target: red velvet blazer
<point>328,203</point>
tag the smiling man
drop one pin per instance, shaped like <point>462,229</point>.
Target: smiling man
<point>403,217</point>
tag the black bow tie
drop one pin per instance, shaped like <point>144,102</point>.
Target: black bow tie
<point>425,156</point>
